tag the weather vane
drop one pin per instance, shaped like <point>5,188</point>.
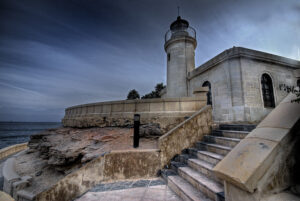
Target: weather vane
<point>178,10</point>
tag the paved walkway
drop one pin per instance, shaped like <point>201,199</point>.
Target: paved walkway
<point>141,190</point>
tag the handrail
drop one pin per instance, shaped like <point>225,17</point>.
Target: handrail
<point>190,32</point>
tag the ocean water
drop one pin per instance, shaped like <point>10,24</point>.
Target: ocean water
<point>19,132</point>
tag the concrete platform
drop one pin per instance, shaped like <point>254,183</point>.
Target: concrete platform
<point>140,190</point>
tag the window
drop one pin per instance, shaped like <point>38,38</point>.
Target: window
<point>267,90</point>
<point>169,56</point>
<point>209,99</point>
<point>298,83</point>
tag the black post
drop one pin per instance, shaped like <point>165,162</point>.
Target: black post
<point>136,135</point>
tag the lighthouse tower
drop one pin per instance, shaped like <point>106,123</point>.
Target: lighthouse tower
<point>180,45</point>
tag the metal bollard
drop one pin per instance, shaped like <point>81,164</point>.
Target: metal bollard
<point>136,135</point>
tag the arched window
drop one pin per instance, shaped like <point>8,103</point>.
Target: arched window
<point>267,90</point>
<point>207,84</point>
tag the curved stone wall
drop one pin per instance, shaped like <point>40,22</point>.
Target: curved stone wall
<point>7,151</point>
<point>168,112</point>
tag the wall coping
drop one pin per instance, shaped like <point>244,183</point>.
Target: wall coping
<point>200,90</point>
<point>184,135</point>
<point>184,122</point>
<point>237,52</point>
<point>7,151</point>
<point>153,100</point>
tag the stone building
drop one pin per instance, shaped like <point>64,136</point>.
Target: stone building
<point>244,84</point>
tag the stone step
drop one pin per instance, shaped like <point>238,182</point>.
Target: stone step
<point>210,157</point>
<point>192,152</point>
<point>207,186</point>
<point>229,142</point>
<point>215,148</point>
<point>230,134</point>
<point>175,165</point>
<point>203,167</point>
<point>183,157</point>
<point>185,190</point>
<point>165,173</point>
<point>237,127</point>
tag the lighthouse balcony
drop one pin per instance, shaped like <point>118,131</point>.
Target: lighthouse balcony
<point>178,33</point>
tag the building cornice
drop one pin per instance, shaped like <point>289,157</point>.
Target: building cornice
<point>237,52</point>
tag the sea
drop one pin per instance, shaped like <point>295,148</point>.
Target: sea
<point>19,132</point>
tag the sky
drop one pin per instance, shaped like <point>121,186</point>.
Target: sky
<point>59,53</point>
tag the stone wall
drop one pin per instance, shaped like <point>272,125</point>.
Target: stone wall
<point>7,151</point>
<point>131,164</point>
<point>168,112</point>
<point>252,71</point>
<point>223,107</point>
<point>116,165</point>
<point>185,135</point>
<point>264,164</point>
<point>235,77</point>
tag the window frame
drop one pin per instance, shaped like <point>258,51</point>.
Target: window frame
<point>272,102</point>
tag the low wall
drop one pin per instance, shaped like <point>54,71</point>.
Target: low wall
<point>263,164</point>
<point>168,112</point>
<point>13,183</point>
<point>12,149</point>
<point>116,165</point>
<point>185,134</point>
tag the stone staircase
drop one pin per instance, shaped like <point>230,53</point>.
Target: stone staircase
<point>190,175</point>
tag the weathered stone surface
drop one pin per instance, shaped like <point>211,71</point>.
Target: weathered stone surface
<point>150,131</point>
<point>284,196</point>
<point>273,134</point>
<point>246,172</point>
<point>284,116</point>
<point>167,112</point>
<point>10,175</point>
<point>12,149</point>
<point>5,197</point>
<point>185,134</point>
<point>117,165</point>
<point>65,146</point>
<point>264,162</point>
<point>235,77</point>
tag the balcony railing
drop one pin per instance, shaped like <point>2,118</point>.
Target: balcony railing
<point>190,31</point>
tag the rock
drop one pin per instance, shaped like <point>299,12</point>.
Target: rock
<point>296,189</point>
<point>88,157</point>
<point>64,148</point>
<point>38,173</point>
<point>29,151</point>
<point>151,130</point>
<point>107,138</point>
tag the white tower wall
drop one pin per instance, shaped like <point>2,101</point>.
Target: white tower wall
<point>180,61</point>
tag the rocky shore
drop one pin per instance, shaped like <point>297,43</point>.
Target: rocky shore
<point>55,153</point>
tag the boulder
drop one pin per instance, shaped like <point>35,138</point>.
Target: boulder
<point>151,130</point>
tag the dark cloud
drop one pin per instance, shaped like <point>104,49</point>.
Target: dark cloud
<point>58,53</point>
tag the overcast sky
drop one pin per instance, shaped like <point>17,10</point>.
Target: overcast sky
<point>59,53</point>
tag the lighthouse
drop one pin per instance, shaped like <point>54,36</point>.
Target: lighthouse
<point>180,45</point>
